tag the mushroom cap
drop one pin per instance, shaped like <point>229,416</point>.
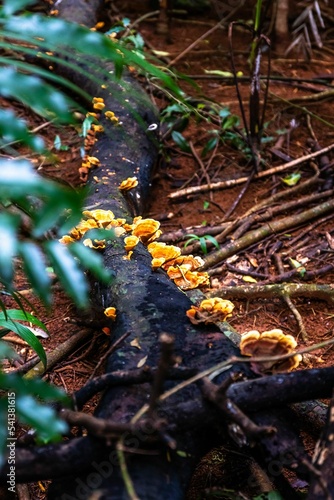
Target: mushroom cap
<point>66,239</point>
<point>93,160</point>
<point>270,343</point>
<point>147,230</point>
<point>187,280</point>
<point>130,242</point>
<point>188,262</point>
<point>100,216</point>
<point>129,183</point>
<point>96,244</point>
<point>83,227</point>
<point>110,312</point>
<point>217,304</point>
<point>211,311</point>
<point>157,262</point>
<point>160,250</point>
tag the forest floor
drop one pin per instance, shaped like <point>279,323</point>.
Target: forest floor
<point>295,114</point>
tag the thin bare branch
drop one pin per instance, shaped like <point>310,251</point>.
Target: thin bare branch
<point>234,182</point>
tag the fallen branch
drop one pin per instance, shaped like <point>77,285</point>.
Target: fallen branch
<point>321,292</point>
<point>266,230</point>
<point>53,461</point>
<point>59,353</point>
<point>320,96</point>
<point>297,315</point>
<point>234,182</point>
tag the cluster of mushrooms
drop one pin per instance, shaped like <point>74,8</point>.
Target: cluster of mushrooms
<point>183,270</point>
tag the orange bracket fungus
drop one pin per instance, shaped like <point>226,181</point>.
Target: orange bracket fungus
<point>210,311</point>
<point>162,253</point>
<point>110,312</point>
<point>147,230</point>
<point>98,103</point>
<point>266,344</point>
<point>129,183</point>
<point>130,242</point>
<point>112,117</point>
<point>180,268</point>
<point>94,219</point>
<point>96,244</point>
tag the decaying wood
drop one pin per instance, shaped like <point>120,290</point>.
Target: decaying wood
<point>322,292</point>
<point>148,304</point>
<point>322,486</point>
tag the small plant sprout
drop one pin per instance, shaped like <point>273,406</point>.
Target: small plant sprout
<point>202,241</point>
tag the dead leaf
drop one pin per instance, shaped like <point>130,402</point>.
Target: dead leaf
<point>330,241</point>
<point>135,343</point>
<point>142,362</point>
<point>249,279</point>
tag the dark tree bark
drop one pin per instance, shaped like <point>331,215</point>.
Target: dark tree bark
<point>149,304</point>
<point>322,484</point>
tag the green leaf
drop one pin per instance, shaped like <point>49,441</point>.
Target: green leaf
<point>192,237</point>
<point>202,243</point>
<point>58,144</point>
<point>63,206</point>
<point>174,108</point>
<point>213,240</point>
<point>42,418</point>
<point>291,179</point>
<point>182,454</point>
<point>68,272</point>
<point>230,122</point>
<point>210,145</point>
<point>91,260</point>
<point>22,315</point>
<point>17,179</point>
<point>35,93</point>
<point>11,6</point>
<point>26,334</point>
<point>86,125</point>
<point>180,141</point>
<point>8,237</point>
<point>57,33</point>
<point>223,113</point>
<point>137,40</point>
<point>294,263</point>
<point>24,393</point>
<point>34,386</point>
<point>13,129</point>
<point>6,351</point>
<point>34,266</point>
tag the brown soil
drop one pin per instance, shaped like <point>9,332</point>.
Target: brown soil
<point>177,169</point>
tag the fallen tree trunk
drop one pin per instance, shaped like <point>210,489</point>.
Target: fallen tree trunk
<point>149,304</point>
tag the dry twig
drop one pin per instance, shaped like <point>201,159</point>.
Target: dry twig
<point>265,230</point>
<point>234,182</point>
